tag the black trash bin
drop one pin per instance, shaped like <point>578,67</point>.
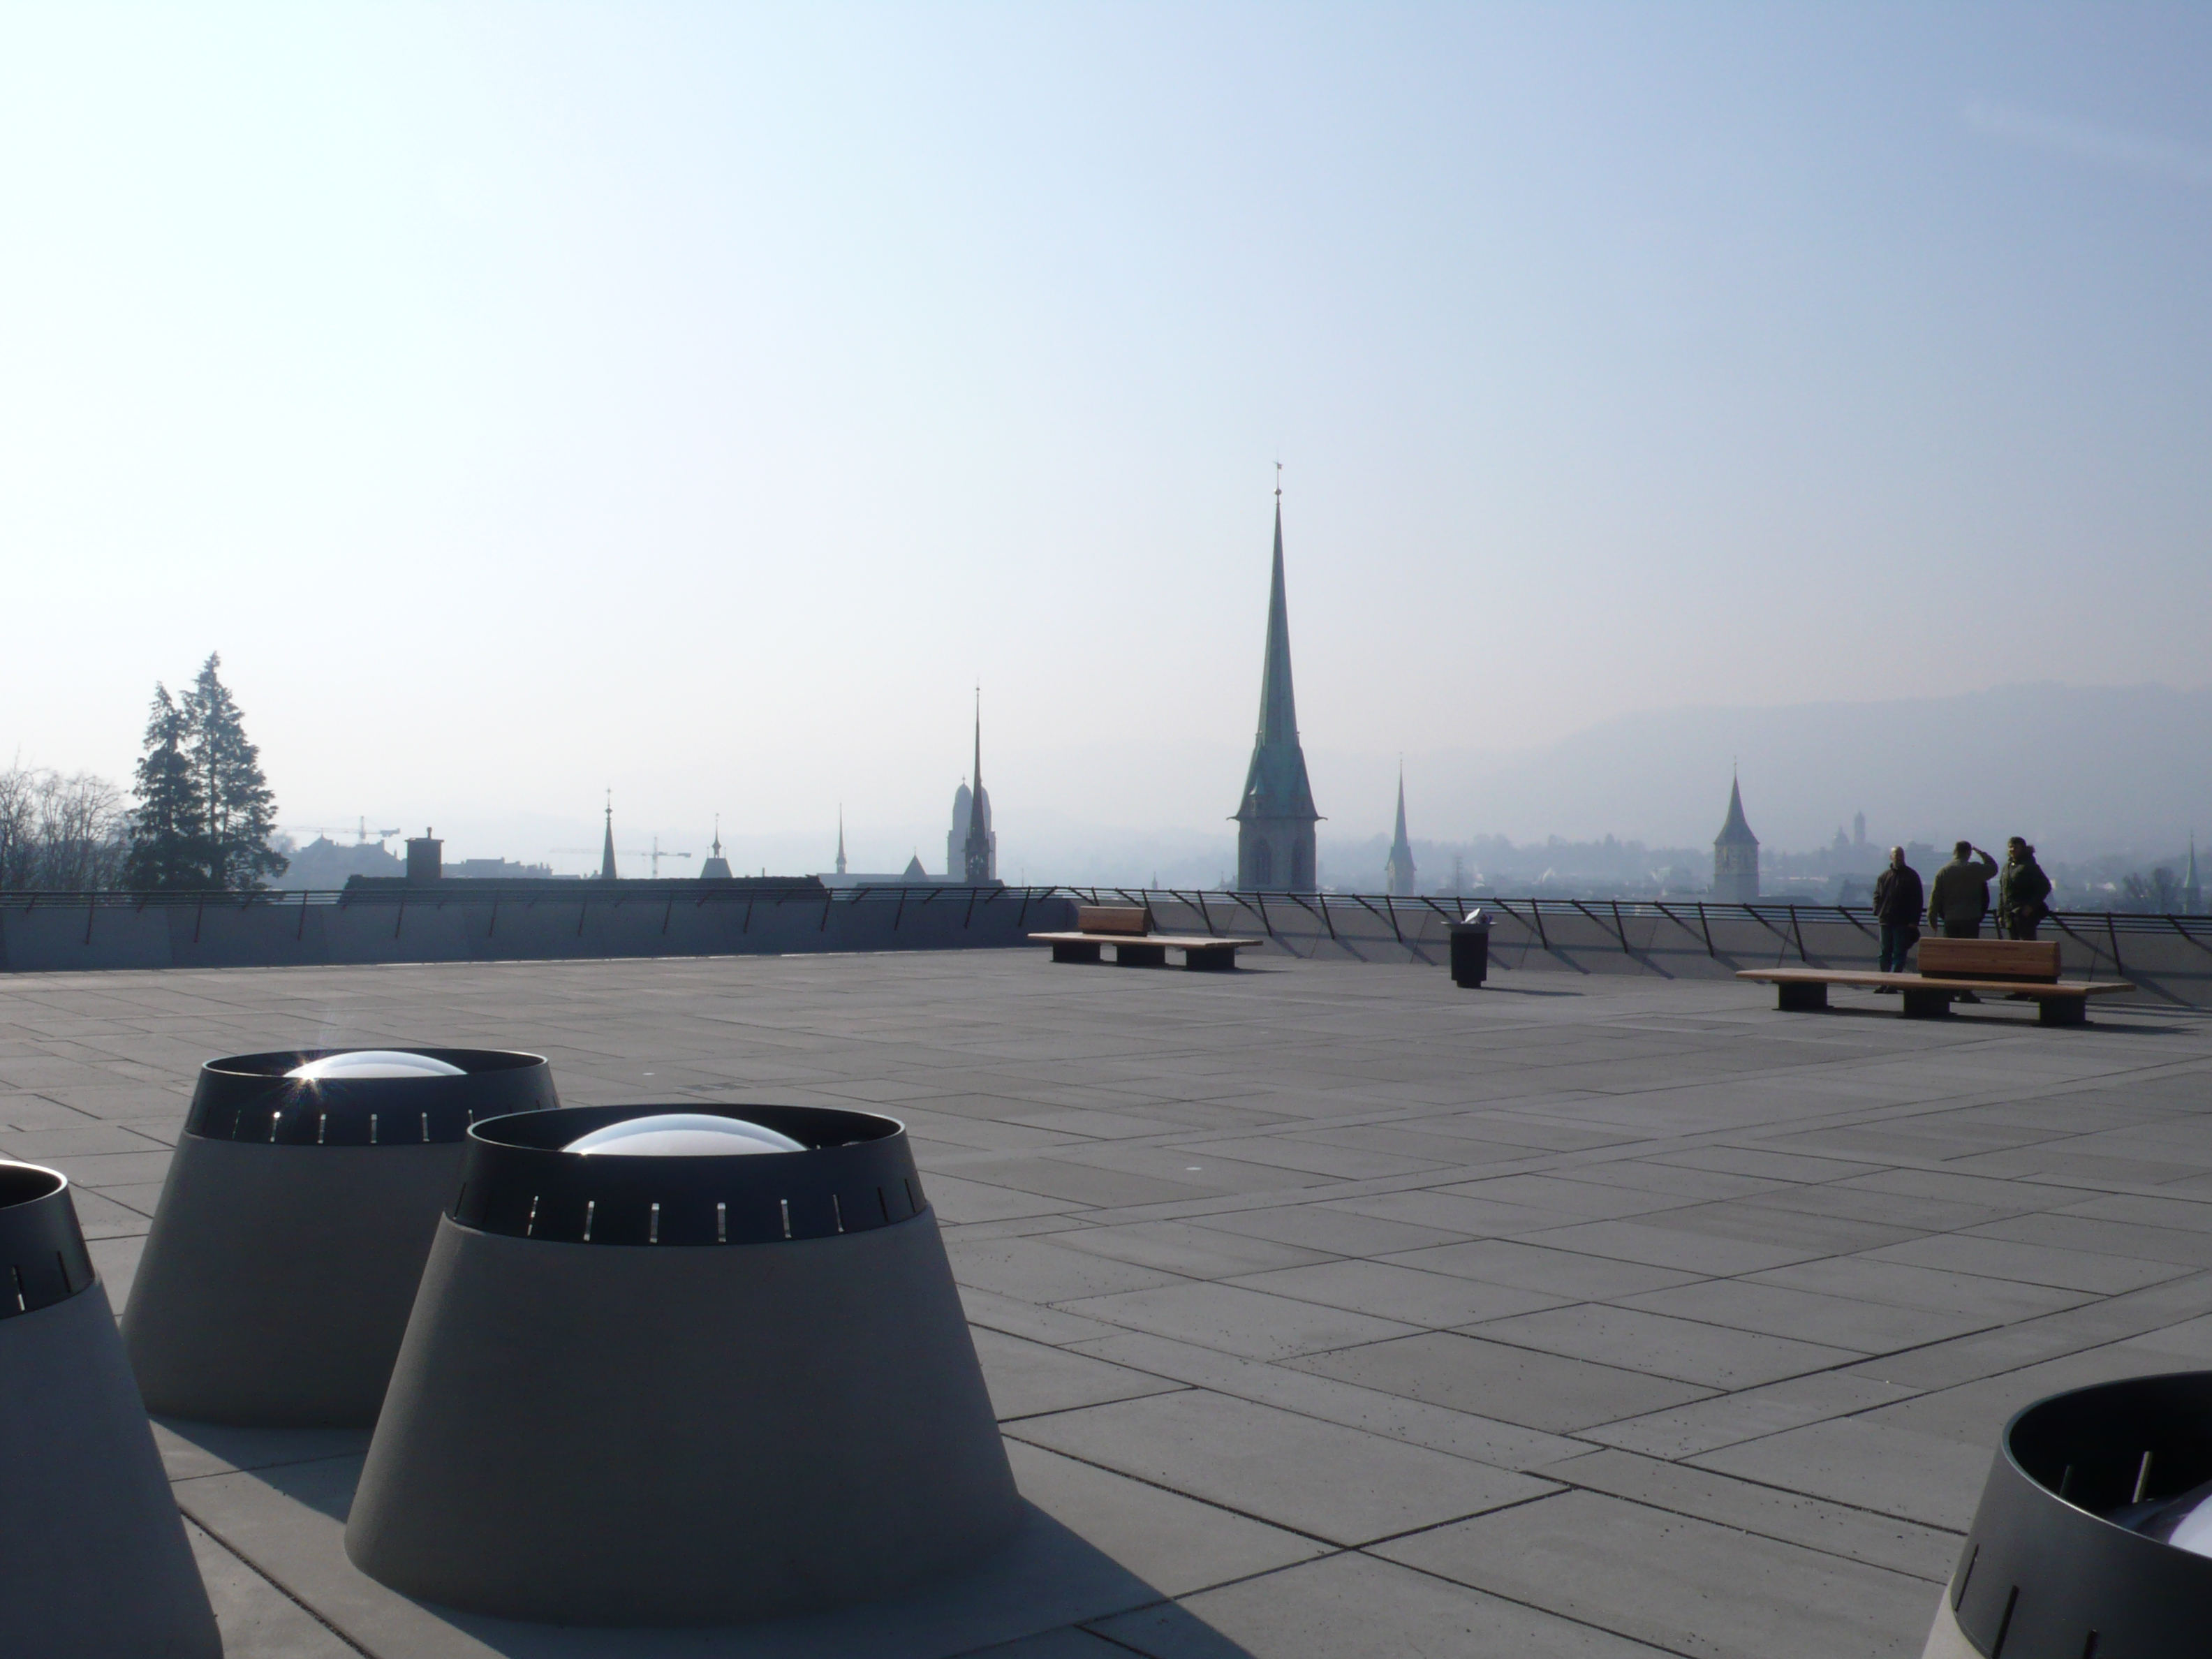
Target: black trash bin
<point>2094,1535</point>
<point>92,1556</point>
<point>1470,950</point>
<point>683,1365</point>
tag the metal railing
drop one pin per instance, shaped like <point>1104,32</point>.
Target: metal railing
<point>1787,918</point>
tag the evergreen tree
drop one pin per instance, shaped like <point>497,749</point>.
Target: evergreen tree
<point>239,810</point>
<point>168,830</point>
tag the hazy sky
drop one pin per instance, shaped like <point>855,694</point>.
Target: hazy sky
<point>701,401</point>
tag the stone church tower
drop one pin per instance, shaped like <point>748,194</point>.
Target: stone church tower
<point>1735,856</point>
<point>1275,819</point>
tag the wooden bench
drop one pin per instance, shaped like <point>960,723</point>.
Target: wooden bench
<point>1128,929</point>
<point>2018,968</point>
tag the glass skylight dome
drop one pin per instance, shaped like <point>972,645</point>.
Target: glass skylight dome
<point>683,1134</point>
<point>359,1064</point>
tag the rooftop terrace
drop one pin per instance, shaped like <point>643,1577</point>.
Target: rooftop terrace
<point>1329,1308</point>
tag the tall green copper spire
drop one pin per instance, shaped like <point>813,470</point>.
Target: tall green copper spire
<point>1398,876</point>
<point>1275,819</point>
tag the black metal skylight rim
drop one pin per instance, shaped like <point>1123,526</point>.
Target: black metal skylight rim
<point>43,1260</point>
<point>2042,1573</point>
<point>248,1097</point>
<point>856,1175</point>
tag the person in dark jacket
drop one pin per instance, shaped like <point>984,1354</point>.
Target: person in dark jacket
<point>1958,897</point>
<point>2021,889</point>
<point>1897,900</point>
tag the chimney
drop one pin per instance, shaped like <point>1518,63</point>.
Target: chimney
<point>426,858</point>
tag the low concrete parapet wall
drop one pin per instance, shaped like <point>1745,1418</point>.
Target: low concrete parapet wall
<point>43,933</point>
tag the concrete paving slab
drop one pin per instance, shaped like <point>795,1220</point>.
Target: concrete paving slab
<point>1569,1275</point>
<point>1794,1517</point>
<point>257,1620</point>
<point>1439,1301</point>
<point>1777,1310</point>
<point>1495,1379</point>
<point>1713,1356</point>
<point>1027,1379</point>
<point>1869,1464</point>
<point>1189,1250</point>
<point>1356,1604</point>
<point>1040,1270</point>
<point>1320,1478</point>
<point>1174,1543</point>
<point>1238,1321</point>
<point>1677,1583</point>
<point>1463,1434</point>
<point>1748,1414</point>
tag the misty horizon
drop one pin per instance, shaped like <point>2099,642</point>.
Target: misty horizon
<point>701,404</point>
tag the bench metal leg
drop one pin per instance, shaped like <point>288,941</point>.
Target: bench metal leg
<point>1141,955</point>
<point>2062,1011</point>
<point>1211,958</point>
<point>1074,950</point>
<point>1801,999</point>
<point>1925,1004</point>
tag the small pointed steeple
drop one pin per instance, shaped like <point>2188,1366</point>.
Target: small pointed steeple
<point>1397,872</point>
<point>607,853</point>
<point>841,837</point>
<point>1735,853</point>
<point>716,868</point>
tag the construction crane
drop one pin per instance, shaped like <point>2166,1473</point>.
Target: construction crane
<point>360,828</point>
<point>652,852</point>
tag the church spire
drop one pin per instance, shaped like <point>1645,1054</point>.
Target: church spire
<point>1397,872</point>
<point>607,855</point>
<point>1275,840</point>
<point>975,855</point>
<point>841,837</point>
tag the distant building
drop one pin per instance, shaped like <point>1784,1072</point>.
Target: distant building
<point>1275,817</point>
<point>2192,896</point>
<point>496,870</point>
<point>324,863</point>
<point>1398,869</point>
<point>607,855</point>
<point>971,847</point>
<point>1735,856</point>
<point>1858,830</point>
<point>716,868</point>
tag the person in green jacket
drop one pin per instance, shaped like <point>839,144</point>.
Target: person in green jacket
<point>1960,898</point>
<point>2021,889</point>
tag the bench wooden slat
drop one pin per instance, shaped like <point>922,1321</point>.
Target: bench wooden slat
<point>1179,941</point>
<point>1113,919</point>
<point>2038,989</point>
<point>2023,959</point>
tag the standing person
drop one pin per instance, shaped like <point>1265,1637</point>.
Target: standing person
<point>1958,897</point>
<point>2021,891</point>
<point>1897,908</point>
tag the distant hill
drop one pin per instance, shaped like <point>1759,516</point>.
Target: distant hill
<point>2079,770</point>
<point>323,863</point>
